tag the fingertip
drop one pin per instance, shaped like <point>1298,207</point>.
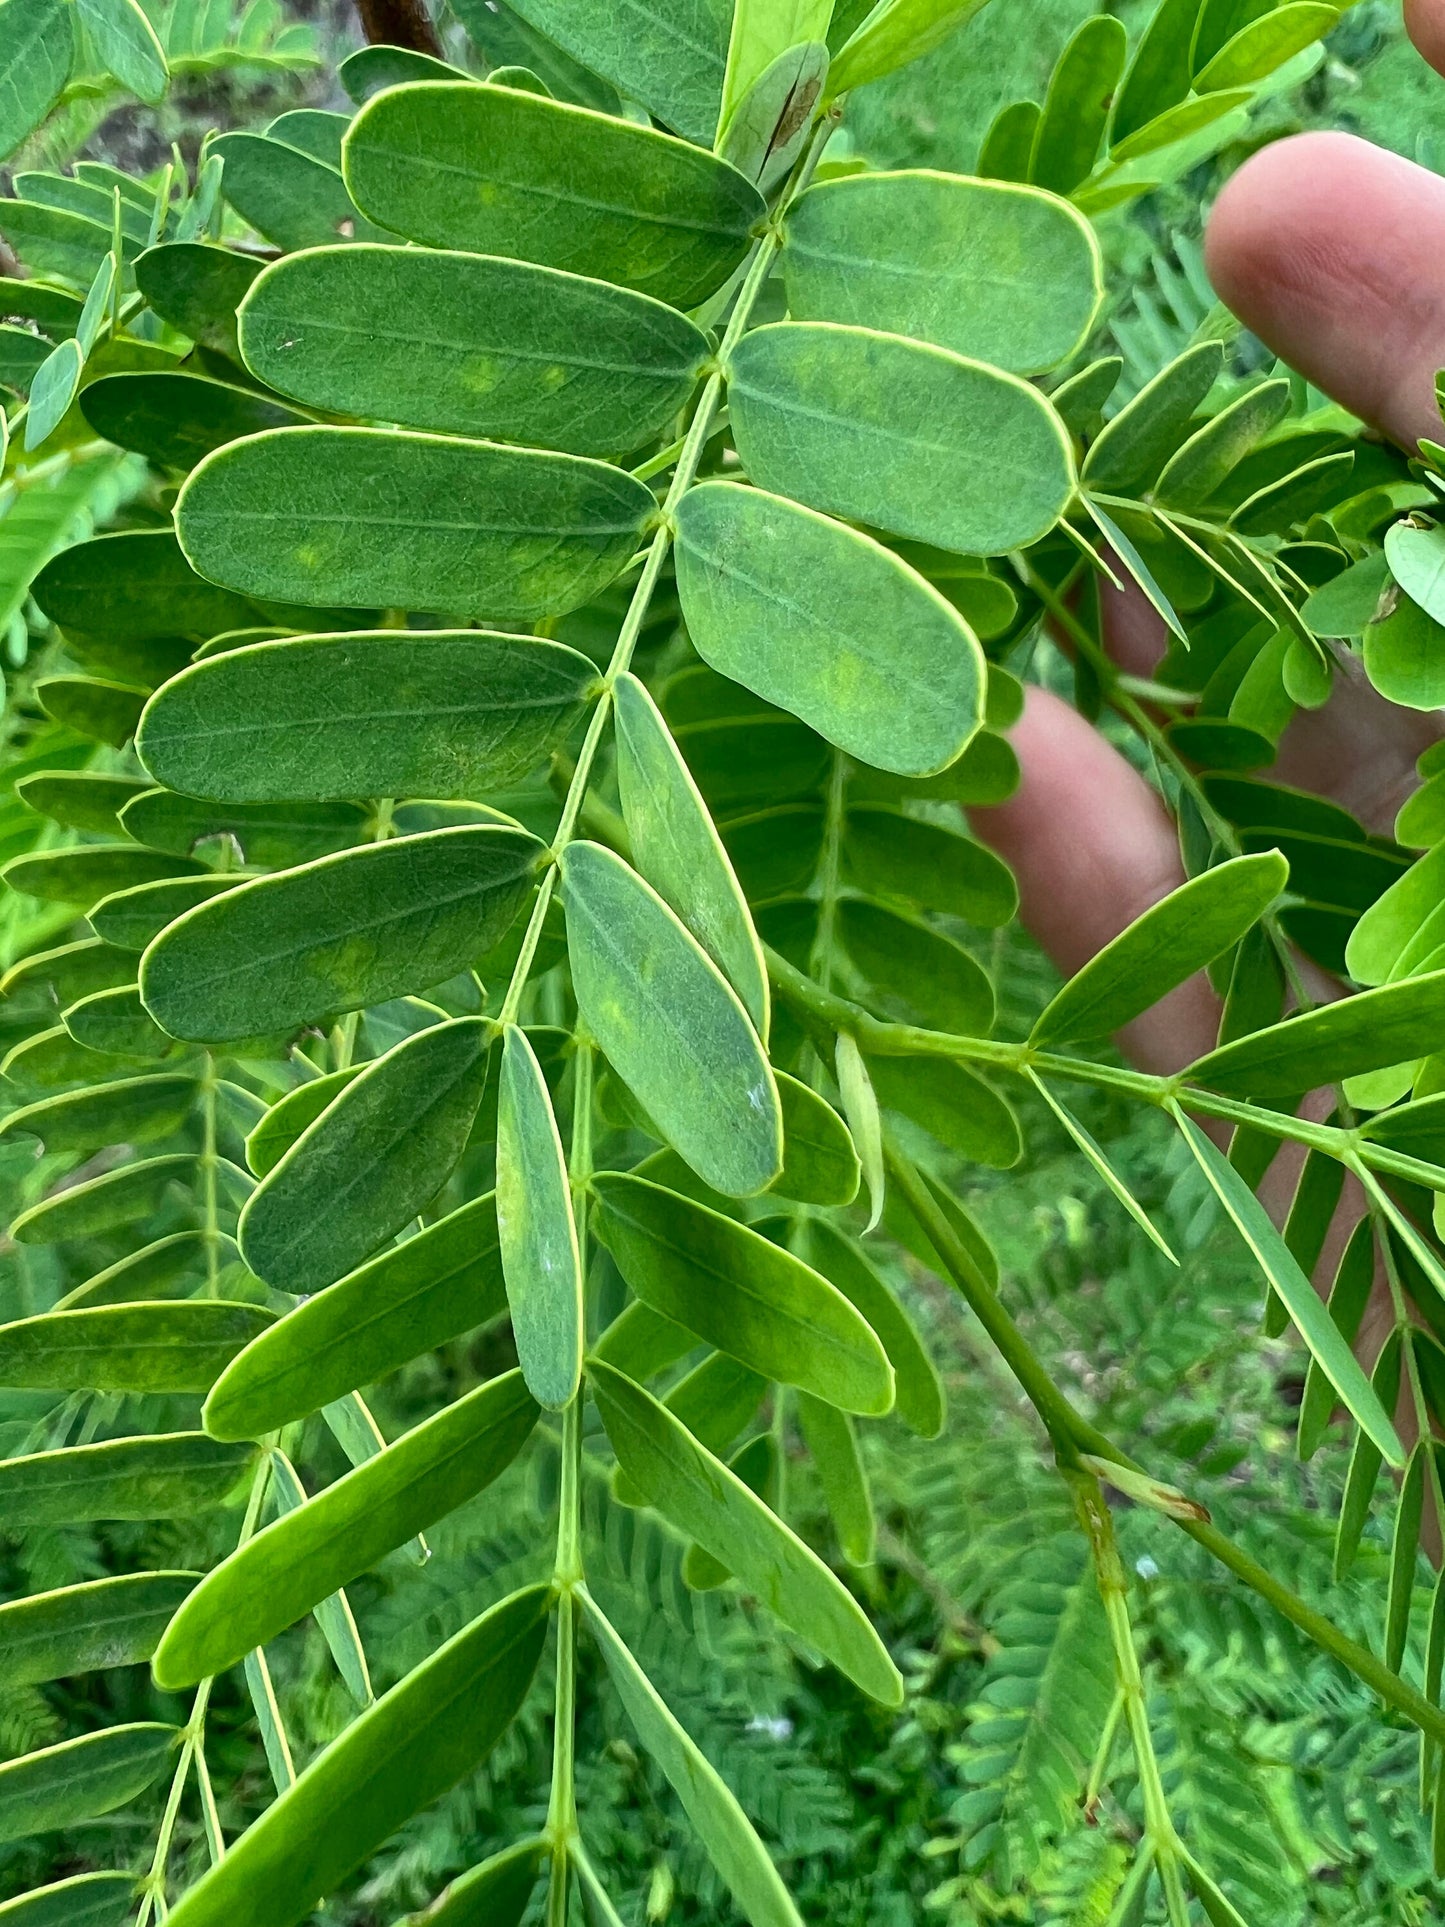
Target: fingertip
<point>1425,24</point>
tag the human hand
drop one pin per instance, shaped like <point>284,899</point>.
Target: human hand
<point>1333,252</point>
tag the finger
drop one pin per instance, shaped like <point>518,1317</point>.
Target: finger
<point>1333,252</point>
<point>1093,847</point>
<point>1425,24</point>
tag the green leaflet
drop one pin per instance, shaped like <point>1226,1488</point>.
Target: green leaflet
<point>116,1021</point>
<point>444,714</point>
<point>197,289</point>
<point>418,1740</point>
<point>365,517</point>
<point>89,1900</point>
<point>69,971</point>
<point>1280,1269</point>
<point>514,174</point>
<point>702,1498</point>
<point>1093,1151</point>
<point>916,973</point>
<point>536,1232</point>
<point>917,1387</point>
<point>894,33</point>
<point>1076,108</point>
<point>952,1104</point>
<point>155,1271</point>
<point>90,871</point>
<point>305,1555</point>
<point>37,45</point>
<point>134,1110</point>
<point>833,1447</point>
<point>133,586</point>
<point>371,1161</point>
<point>51,1060</point>
<point>334,1615</point>
<point>105,711</point>
<point>1416,559</point>
<point>52,389</point>
<point>54,241</point>
<point>825,622</point>
<point>1207,459</point>
<point>338,934</point>
<point>893,855</point>
<point>1391,1025</point>
<point>80,1778</point>
<point>81,1629</point>
<point>720,1823</point>
<point>1175,937</point>
<point>1134,446</point>
<point>126,44</point>
<point>176,419</point>
<point>1403,654</point>
<point>167,1476</point>
<point>820,1165</point>
<point>764,137</point>
<point>80,799</point>
<point>472,345</point>
<point>128,1348</point>
<point>267,833</point>
<point>668,54</point>
<point>677,849</point>
<point>669,1024</point>
<point>369,69</point>
<point>900,435</point>
<point>494,1894</point>
<point>119,1197</point>
<point>130,919</point>
<point>289,1116</point>
<point>1399,929</point>
<point>288,196</point>
<point>404,1302</point>
<point>1266,44</point>
<point>998,272</point>
<point>742,1293</point>
<point>761,31</point>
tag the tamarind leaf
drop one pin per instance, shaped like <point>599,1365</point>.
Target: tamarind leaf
<point>266,833</point>
<point>115,1021</point>
<point>176,419</point>
<point>440,714</point>
<point>370,69</point>
<point>514,174</point>
<point>80,1778</point>
<point>1369,1031</point>
<point>166,1476</point>
<point>414,1743</point>
<point>289,196</point>
<point>1143,576</point>
<point>85,1628</point>
<point>197,288</point>
<point>775,852</point>
<point>701,1497</point>
<point>1416,560</point>
<point>37,46</point>
<point>115,1198</point>
<point>125,43</point>
<point>472,345</point>
<point>1404,654</point>
<point>758,1465</point>
<point>952,1104</point>
<point>87,1900</point>
<point>133,586</point>
<point>374,1158</point>
<point>723,1828</point>
<point>367,517</point>
<point>337,934</point>
<point>290,1115</point>
<point>53,388</point>
<point>90,871</point>
<point>1219,1909</point>
<point>535,1228</point>
<point>893,34</point>
<point>1349,1294</point>
<point>825,622</point>
<point>1093,1151</point>
<point>56,241</point>
<point>1076,107</point>
<point>315,131</point>
<point>80,799</point>
<point>669,1024</point>
<point>132,1110</point>
<point>129,920</point>
<point>668,54</point>
<point>833,1448</point>
<point>105,711</point>
<point>742,1293</point>
<point>676,848</point>
<point>890,854</point>
<point>641,1342</point>
<point>766,133</point>
<point>917,974</point>
<point>1007,149</point>
<point>716,1400</point>
<point>1196,469</point>
<point>128,1348</point>
<point>1282,1272</point>
<point>1159,75</point>
<point>306,1555</point>
<point>69,971</point>
<point>22,355</point>
<point>1131,449</point>
<point>155,1271</point>
<point>843,1262</point>
<point>1365,1460</point>
<point>1160,950</point>
<point>1404,1555</point>
<point>1401,928</point>
<point>899,434</point>
<point>494,1894</point>
<point>333,1615</point>
<point>820,1164</point>
<point>49,1060</point>
<point>1258,49</point>
<point>1178,122</point>
<point>404,1302</point>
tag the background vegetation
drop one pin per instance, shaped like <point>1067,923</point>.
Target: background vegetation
<point>1297,1794</point>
